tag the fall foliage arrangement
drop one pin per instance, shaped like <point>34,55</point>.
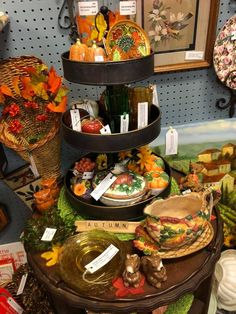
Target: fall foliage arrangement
<point>32,99</point>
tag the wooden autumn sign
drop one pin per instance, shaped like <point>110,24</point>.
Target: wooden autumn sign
<point>112,226</point>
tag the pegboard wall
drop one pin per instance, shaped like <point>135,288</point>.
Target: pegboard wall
<point>184,97</point>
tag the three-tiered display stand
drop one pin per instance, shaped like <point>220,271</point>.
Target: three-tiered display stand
<point>191,273</point>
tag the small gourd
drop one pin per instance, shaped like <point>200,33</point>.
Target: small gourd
<point>95,54</point>
<point>78,51</point>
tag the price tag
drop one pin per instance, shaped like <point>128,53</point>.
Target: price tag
<point>48,234</point>
<point>33,166</point>
<point>102,259</point>
<point>88,8</point>
<point>75,172</point>
<point>233,35</point>
<point>105,130</point>
<point>99,59</point>
<point>142,114</point>
<point>194,55</point>
<point>87,175</point>
<point>103,186</point>
<point>16,307</point>
<point>22,284</point>
<point>171,142</point>
<point>127,7</point>
<point>155,99</point>
<point>75,120</point>
<point>124,123</point>
<point>186,192</point>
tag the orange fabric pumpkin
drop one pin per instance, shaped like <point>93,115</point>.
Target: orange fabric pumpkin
<point>95,54</point>
<point>78,51</point>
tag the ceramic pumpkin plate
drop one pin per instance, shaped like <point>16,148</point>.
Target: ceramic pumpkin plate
<point>224,55</point>
<point>127,40</point>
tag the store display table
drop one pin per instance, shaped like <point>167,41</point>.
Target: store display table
<point>191,273</point>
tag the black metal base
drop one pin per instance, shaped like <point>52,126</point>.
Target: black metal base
<point>221,103</point>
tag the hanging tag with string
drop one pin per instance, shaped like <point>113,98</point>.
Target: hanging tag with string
<point>171,142</point>
<point>33,166</point>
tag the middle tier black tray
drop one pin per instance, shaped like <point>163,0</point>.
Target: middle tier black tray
<point>96,210</point>
<point>113,142</point>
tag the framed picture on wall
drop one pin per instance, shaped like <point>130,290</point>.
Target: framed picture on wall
<point>181,32</point>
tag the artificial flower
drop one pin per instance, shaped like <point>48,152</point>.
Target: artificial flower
<point>15,126</point>
<point>13,110</point>
<point>52,256</point>
<point>42,117</point>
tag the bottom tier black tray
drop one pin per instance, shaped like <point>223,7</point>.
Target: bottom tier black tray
<point>96,210</point>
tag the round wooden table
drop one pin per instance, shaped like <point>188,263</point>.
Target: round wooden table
<point>192,273</point>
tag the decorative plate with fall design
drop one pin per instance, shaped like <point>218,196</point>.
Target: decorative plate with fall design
<point>127,40</point>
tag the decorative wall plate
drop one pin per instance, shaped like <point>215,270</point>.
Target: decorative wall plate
<point>127,40</point>
<point>224,55</point>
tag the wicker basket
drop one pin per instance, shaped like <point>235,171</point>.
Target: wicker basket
<point>46,150</point>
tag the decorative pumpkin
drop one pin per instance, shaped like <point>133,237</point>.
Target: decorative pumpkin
<point>95,54</point>
<point>78,51</point>
<point>156,165</point>
<point>157,179</point>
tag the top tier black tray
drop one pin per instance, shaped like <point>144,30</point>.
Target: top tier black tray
<point>108,73</point>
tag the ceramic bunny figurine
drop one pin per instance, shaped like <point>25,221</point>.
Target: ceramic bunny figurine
<point>153,269</point>
<point>131,275</point>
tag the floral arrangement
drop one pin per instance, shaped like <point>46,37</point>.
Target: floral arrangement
<point>164,27</point>
<point>32,102</point>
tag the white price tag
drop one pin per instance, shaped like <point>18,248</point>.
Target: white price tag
<point>127,7</point>
<point>103,186</point>
<point>22,284</point>
<point>87,175</point>
<point>33,166</point>
<point>102,259</point>
<point>75,172</point>
<point>171,142</point>
<point>233,35</point>
<point>48,234</point>
<point>105,130</point>
<point>186,192</point>
<point>194,55</point>
<point>124,123</point>
<point>16,307</point>
<point>99,59</point>
<point>75,120</point>
<point>142,114</point>
<point>88,8</point>
<point>155,99</point>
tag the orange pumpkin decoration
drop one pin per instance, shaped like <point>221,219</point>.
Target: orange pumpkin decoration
<point>156,165</point>
<point>78,51</point>
<point>95,54</point>
<point>49,183</point>
<point>157,179</point>
<point>42,196</point>
<point>79,189</point>
<point>45,206</point>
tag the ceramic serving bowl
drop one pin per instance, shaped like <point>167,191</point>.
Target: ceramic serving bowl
<point>120,202</point>
<point>225,274</point>
<point>178,220</point>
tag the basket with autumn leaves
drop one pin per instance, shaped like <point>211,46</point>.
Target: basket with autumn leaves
<point>33,98</point>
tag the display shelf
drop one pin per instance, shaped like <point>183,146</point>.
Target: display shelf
<point>101,143</point>
<point>184,274</point>
<point>108,73</point>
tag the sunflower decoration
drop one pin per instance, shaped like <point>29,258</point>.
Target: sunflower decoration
<point>52,256</point>
<point>124,155</point>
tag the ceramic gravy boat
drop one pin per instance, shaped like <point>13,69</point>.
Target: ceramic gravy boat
<point>180,219</point>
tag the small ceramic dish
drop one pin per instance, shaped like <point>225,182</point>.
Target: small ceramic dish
<point>120,202</point>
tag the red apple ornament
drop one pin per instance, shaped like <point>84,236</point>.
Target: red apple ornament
<point>91,126</point>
